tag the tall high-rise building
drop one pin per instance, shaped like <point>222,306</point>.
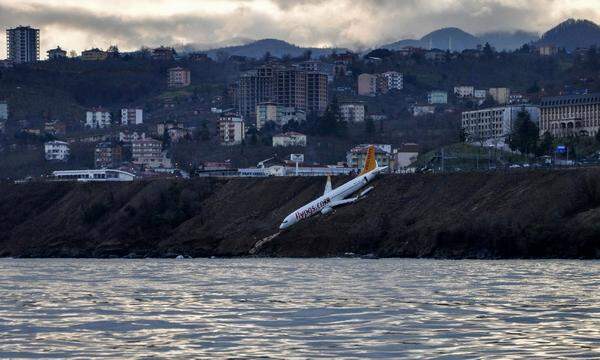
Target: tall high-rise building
<point>316,93</point>
<point>254,87</point>
<point>290,88</point>
<point>23,44</point>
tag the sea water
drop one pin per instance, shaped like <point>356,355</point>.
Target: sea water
<point>289,308</point>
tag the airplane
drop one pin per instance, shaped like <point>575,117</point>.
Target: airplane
<point>339,196</point>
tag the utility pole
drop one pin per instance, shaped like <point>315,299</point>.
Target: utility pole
<point>443,158</point>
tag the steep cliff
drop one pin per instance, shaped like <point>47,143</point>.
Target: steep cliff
<point>501,215</point>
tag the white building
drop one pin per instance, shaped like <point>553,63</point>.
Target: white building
<point>406,155</point>
<point>3,111</point>
<point>494,123</point>
<point>132,117</point>
<point>231,130</point>
<point>464,91</point>
<point>103,175</point>
<point>479,94</point>
<point>437,97</point>
<point>127,137</point>
<point>280,115</point>
<point>302,170</point>
<point>422,110</point>
<point>500,95</point>
<point>57,151</point>
<point>289,139</point>
<point>148,153</point>
<point>393,80</point>
<point>353,112</point>
<point>97,119</point>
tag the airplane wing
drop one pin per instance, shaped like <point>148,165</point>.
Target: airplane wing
<point>343,202</point>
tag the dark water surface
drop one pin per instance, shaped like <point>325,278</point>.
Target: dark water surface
<point>336,308</point>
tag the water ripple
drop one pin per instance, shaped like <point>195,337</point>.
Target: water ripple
<point>334,308</point>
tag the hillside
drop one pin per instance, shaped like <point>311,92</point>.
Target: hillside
<point>476,215</point>
<point>572,34</point>
<point>277,48</point>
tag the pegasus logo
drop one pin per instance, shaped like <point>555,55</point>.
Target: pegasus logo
<point>305,214</point>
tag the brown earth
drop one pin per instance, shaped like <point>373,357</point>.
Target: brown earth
<point>538,214</point>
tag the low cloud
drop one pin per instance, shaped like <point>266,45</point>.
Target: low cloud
<point>350,23</point>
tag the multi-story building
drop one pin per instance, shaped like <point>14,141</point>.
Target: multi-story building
<point>56,54</point>
<point>356,157</point>
<point>392,80</point>
<point>108,155</point>
<point>479,94</point>
<point>56,151</point>
<point>367,84</point>
<point>548,50</point>
<point>464,91</point>
<point>316,93</point>
<point>290,88</point>
<point>97,119</point>
<point>289,139</point>
<point>163,53</point>
<point>23,44</point>
<point>132,116</point>
<point>231,129</point>
<point>570,115</point>
<point>148,153</point>
<point>353,112</point>
<point>406,155</point>
<point>94,54</point>
<point>494,123</point>
<point>179,77</point>
<point>127,137</point>
<point>55,127</point>
<point>266,112</point>
<point>422,110</point>
<point>3,110</point>
<point>437,97</point>
<point>254,87</point>
<point>500,95</point>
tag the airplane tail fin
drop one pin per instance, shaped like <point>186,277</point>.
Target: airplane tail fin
<point>370,161</point>
<point>328,186</point>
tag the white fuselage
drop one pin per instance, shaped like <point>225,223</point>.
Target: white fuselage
<point>329,200</point>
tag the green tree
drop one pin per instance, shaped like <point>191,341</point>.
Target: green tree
<point>546,145</point>
<point>330,123</point>
<point>525,135</point>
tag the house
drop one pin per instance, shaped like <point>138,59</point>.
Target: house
<point>231,129</point>
<point>163,53</point>
<point>437,97</point>
<point>94,54</point>
<point>132,116</point>
<point>108,155</point>
<point>356,157</point>
<point>406,155</point>
<point>289,139</point>
<point>353,112</point>
<point>148,153</point>
<point>179,77</point>
<point>57,151</point>
<point>464,91</point>
<point>422,110</point>
<point>97,118</point>
<point>55,127</point>
<point>176,134</point>
<point>56,54</point>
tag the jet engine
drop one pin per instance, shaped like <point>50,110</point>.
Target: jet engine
<point>326,211</point>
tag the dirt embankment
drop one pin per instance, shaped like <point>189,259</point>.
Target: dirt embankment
<point>512,215</point>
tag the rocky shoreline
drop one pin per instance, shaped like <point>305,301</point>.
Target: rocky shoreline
<point>535,214</point>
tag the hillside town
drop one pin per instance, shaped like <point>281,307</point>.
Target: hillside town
<point>159,112</point>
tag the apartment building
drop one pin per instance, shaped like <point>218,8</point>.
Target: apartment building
<point>570,115</point>
<point>231,130</point>
<point>148,153</point>
<point>494,123</point>
<point>132,116</point>
<point>97,119</point>
<point>23,44</point>
<point>356,157</point>
<point>254,87</point>
<point>367,84</point>
<point>289,139</point>
<point>464,91</point>
<point>56,54</point>
<point>500,95</point>
<point>392,80</point>
<point>353,112</point>
<point>437,97</point>
<point>94,54</point>
<point>316,92</point>
<point>57,151</point>
<point>179,77</point>
<point>108,155</point>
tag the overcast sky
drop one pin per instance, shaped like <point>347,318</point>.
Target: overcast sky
<point>81,24</point>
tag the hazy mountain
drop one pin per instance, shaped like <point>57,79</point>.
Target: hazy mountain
<point>453,39</point>
<point>509,40</point>
<point>277,48</point>
<point>572,34</point>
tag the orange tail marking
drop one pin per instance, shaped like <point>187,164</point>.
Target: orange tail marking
<point>370,162</point>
